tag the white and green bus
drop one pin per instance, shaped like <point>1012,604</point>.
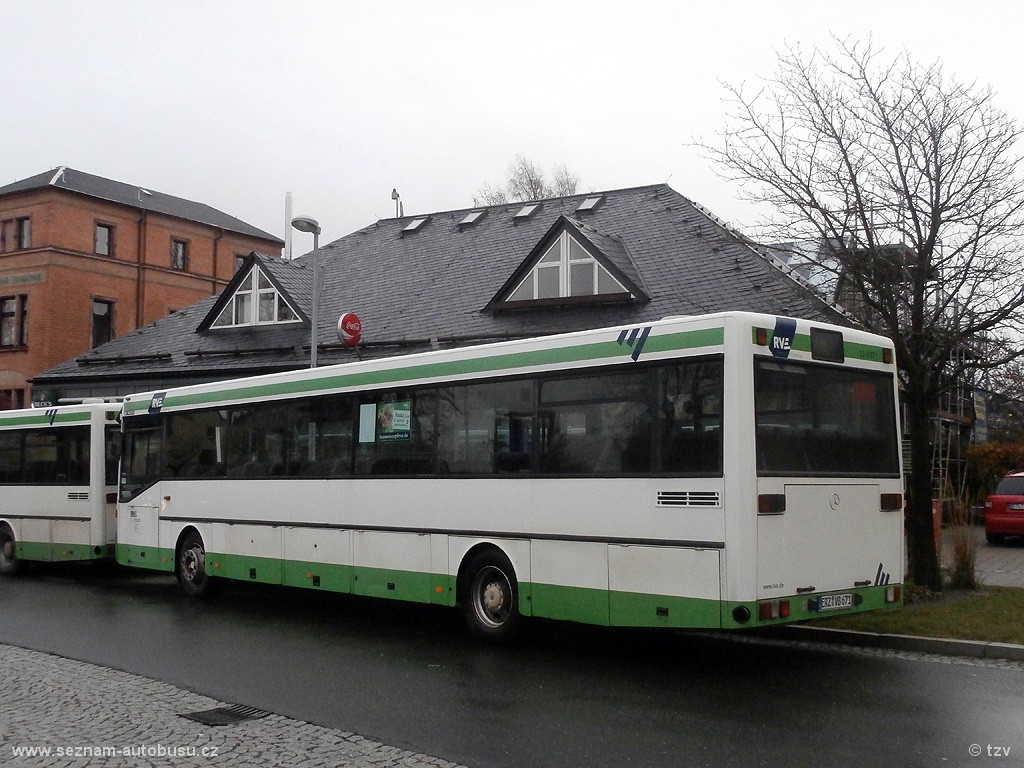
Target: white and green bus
<point>58,484</point>
<point>729,470</point>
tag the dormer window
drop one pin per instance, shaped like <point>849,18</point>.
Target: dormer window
<point>566,269</point>
<point>256,302</point>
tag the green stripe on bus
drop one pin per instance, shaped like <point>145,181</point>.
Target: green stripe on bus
<point>871,599</point>
<point>45,552</point>
<point>43,419</point>
<point>604,350</point>
<point>852,350</point>
<point>551,601</point>
<point>623,609</point>
<point>156,558</point>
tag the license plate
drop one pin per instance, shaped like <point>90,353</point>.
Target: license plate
<point>835,602</point>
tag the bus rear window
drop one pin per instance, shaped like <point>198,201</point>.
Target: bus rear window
<point>814,420</point>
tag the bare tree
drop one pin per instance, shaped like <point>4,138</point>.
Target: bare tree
<point>908,183</point>
<point>564,182</point>
<point>526,182</point>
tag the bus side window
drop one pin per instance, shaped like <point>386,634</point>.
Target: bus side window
<point>484,428</point>
<point>10,457</point>
<point>691,418</point>
<point>403,439</point>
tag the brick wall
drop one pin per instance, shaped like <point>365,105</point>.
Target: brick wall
<point>60,274</point>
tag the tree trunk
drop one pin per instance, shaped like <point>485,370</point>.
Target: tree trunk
<point>924,560</point>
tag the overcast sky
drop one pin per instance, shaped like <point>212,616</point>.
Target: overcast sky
<point>236,103</point>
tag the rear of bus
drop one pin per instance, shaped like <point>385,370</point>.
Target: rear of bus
<point>58,483</point>
<point>829,488</point>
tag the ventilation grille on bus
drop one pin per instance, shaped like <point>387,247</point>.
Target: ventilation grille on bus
<point>689,499</point>
<point>75,496</point>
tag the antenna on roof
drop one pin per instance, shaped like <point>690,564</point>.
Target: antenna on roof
<point>288,226</point>
<point>57,176</point>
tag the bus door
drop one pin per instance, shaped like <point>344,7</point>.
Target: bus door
<point>138,520</point>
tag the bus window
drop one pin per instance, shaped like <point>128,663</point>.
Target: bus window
<point>111,454</point>
<point>691,418</point>
<point>140,460</point>
<point>485,428</point>
<point>403,439</point>
<point>595,424</point>
<point>194,440</point>
<point>10,457</point>
<point>820,420</point>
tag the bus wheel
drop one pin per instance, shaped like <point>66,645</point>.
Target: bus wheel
<point>490,597</point>
<point>191,568</point>
<point>9,562</point>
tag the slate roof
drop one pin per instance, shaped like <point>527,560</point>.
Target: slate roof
<point>430,288</point>
<point>134,196</point>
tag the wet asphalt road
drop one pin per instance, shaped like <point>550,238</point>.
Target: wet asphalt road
<point>560,696</point>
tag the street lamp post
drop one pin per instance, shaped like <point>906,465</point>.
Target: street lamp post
<point>307,224</point>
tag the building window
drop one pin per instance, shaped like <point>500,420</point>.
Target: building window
<point>13,321</point>
<point>566,269</point>
<point>179,254</point>
<point>256,302</point>
<point>102,321</point>
<point>24,233</point>
<point>11,398</point>
<point>104,240</point>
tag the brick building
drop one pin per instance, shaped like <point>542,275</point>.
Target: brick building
<point>84,260</point>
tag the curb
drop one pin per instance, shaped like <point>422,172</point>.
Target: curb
<point>977,649</point>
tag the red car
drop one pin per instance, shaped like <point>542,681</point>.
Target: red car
<point>1004,510</point>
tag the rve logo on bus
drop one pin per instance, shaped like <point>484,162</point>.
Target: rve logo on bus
<point>782,336</point>
<point>634,338</point>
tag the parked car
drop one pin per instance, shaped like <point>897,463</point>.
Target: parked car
<point>1004,510</point>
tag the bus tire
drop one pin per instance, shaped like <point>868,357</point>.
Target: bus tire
<point>191,567</point>
<point>491,596</point>
<point>9,562</point>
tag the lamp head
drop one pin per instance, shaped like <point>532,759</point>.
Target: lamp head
<point>306,224</point>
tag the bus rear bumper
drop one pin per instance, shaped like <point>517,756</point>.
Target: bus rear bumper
<point>817,605</point>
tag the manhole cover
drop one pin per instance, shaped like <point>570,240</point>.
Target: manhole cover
<point>225,715</point>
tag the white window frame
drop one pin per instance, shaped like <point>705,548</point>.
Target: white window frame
<point>251,289</point>
<point>564,265</point>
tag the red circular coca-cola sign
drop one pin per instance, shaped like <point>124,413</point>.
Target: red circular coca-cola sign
<point>350,330</point>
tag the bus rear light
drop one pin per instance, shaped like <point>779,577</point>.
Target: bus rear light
<point>893,594</point>
<point>892,502</point>
<point>887,356</point>
<point>761,337</point>
<point>773,609</point>
<point>771,503</point>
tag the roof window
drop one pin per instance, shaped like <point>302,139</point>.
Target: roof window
<point>527,212</point>
<point>591,204</point>
<point>471,218</point>
<point>415,225</point>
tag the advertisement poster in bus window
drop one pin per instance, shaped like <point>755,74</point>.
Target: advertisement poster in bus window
<point>394,422</point>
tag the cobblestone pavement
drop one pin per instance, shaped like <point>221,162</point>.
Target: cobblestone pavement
<point>996,565</point>
<point>60,713</point>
